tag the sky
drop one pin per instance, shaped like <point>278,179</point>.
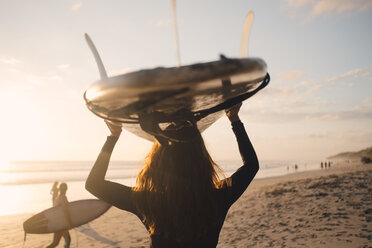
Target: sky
<point>319,56</point>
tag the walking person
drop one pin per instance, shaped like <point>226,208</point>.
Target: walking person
<point>61,200</point>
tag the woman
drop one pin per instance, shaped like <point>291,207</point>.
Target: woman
<point>179,197</point>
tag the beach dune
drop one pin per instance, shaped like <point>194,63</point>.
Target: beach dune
<point>325,208</point>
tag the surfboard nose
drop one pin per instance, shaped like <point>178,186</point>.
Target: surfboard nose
<point>36,224</point>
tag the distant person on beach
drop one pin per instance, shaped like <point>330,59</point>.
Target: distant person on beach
<point>321,165</point>
<point>179,196</point>
<point>61,200</point>
<point>54,192</point>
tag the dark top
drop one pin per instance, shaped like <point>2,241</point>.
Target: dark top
<point>122,196</point>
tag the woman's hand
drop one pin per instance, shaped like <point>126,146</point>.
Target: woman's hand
<point>115,128</point>
<point>232,113</point>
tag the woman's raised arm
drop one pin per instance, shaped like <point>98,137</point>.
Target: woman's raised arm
<point>116,194</point>
<point>240,180</point>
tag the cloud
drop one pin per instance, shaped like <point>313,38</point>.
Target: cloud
<point>298,3</point>
<point>161,23</point>
<point>56,78</point>
<point>355,73</point>
<point>281,92</point>
<point>72,93</point>
<point>34,80</point>
<point>311,100</point>
<point>318,135</point>
<point>329,7</point>
<point>20,82</point>
<point>368,102</point>
<point>76,6</point>
<point>287,117</point>
<point>20,87</point>
<point>63,66</point>
<point>289,76</point>
<point>119,72</point>
<point>293,99</point>
<point>356,136</point>
<point>322,116</point>
<point>9,61</point>
<point>297,97</point>
<point>311,87</point>
<point>340,6</point>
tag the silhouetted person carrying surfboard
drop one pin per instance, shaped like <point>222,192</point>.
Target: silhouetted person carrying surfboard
<point>61,199</point>
<point>178,197</point>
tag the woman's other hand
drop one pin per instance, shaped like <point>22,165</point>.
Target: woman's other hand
<point>115,128</point>
<point>232,113</point>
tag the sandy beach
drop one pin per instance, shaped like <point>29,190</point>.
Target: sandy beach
<point>324,208</point>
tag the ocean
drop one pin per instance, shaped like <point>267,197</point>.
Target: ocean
<point>25,185</point>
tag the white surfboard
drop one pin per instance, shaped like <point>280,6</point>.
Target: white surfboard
<point>197,88</point>
<point>54,219</point>
<point>204,89</point>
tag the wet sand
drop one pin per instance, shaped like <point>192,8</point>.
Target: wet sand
<point>325,208</point>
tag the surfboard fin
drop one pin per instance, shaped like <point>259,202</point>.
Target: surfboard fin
<point>223,57</point>
<point>175,27</point>
<point>24,239</point>
<point>101,68</point>
<point>243,52</point>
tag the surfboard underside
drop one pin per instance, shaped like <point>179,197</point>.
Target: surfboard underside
<point>54,220</point>
<point>195,87</point>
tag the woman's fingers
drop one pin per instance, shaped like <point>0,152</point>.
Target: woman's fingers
<point>115,128</point>
<point>234,110</point>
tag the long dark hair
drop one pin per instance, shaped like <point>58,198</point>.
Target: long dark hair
<point>176,190</point>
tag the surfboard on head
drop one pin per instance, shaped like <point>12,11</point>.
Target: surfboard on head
<point>54,220</point>
<point>204,89</point>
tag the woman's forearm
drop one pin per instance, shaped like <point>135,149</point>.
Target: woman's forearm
<point>96,178</point>
<point>116,194</point>
<point>246,149</point>
<point>245,174</point>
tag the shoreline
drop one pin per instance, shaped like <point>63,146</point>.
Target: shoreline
<point>255,181</point>
<point>309,208</point>
<point>339,168</point>
<point>34,197</point>
<point>293,175</point>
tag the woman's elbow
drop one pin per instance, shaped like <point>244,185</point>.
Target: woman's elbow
<point>95,187</point>
<point>252,166</point>
<point>90,186</point>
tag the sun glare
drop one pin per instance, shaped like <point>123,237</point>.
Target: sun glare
<point>4,164</point>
